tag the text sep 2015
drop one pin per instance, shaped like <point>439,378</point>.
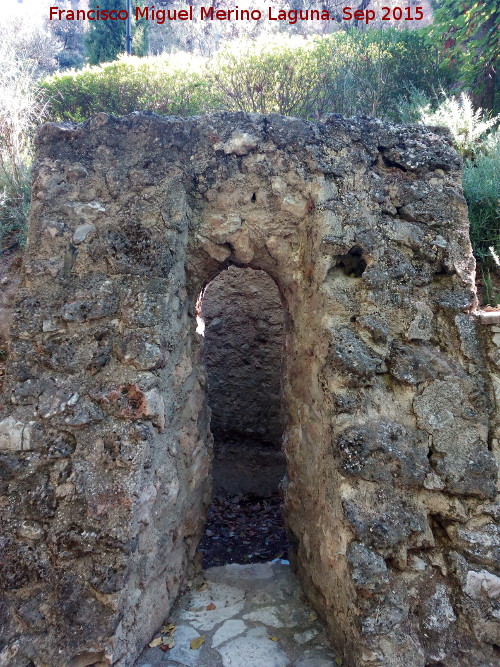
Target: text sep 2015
<point>292,16</point>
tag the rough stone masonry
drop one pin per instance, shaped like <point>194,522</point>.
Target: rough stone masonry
<point>391,418</point>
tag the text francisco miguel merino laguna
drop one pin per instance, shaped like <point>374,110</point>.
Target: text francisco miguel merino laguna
<point>161,16</point>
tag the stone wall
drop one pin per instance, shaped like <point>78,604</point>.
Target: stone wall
<point>244,327</point>
<point>388,396</point>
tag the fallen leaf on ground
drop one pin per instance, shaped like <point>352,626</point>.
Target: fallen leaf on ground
<point>338,661</point>
<point>211,607</point>
<point>168,629</point>
<point>313,616</point>
<point>240,530</point>
<point>197,642</point>
<point>202,586</point>
<point>156,642</point>
<point>274,639</point>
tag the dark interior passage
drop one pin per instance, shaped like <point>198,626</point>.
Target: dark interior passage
<point>243,328</point>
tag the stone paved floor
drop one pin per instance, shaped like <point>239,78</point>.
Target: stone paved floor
<point>249,616</point>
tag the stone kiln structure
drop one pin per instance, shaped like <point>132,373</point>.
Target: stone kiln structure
<point>387,396</point>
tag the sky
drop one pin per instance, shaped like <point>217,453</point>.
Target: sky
<point>15,7</point>
<point>33,6</point>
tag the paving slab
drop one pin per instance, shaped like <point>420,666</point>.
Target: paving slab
<point>228,630</point>
<point>249,616</point>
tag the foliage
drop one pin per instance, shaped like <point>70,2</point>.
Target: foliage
<point>346,72</point>
<point>481,182</point>
<point>30,42</point>
<point>467,34</point>
<point>14,206</point>
<point>411,108</point>
<point>140,36</point>
<point>20,111</point>
<point>29,49</point>
<point>267,76</point>
<point>466,124</point>
<point>105,40</point>
<point>205,38</point>
<point>71,37</point>
<point>491,296</point>
<point>165,86</point>
<point>472,135</point>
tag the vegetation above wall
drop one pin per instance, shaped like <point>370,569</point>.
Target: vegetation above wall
<point>348,72</point>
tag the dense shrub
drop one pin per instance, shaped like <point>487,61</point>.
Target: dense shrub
<point>165,86</point>
<point>278,76</point>
<point>466,34</point>
<point>350,72</point>
<point>481,181</point>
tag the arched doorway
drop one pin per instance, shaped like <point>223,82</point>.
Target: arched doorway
<point>242,322</point>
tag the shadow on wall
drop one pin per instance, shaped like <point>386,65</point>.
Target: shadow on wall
<point>243,329</point>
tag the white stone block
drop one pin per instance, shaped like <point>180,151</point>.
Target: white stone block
<point>228,630</point>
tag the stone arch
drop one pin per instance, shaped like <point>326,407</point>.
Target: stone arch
<point>388,397</point>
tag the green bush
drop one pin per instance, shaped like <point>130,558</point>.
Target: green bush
<point>264,76</point>
<point>165,86</point>
<point>481,182</point>
<point>348,72</point>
